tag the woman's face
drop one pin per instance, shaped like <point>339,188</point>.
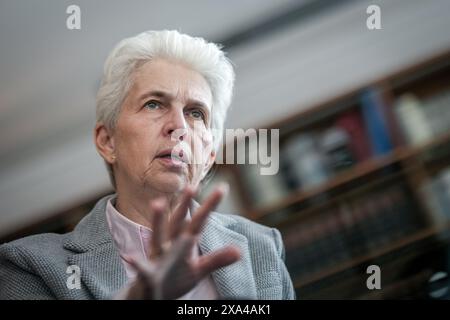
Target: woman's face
<point>168,106</point>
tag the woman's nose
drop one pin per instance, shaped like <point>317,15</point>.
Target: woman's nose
<point>176,125</point>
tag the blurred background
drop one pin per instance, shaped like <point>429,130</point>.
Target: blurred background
<point>364,120</point>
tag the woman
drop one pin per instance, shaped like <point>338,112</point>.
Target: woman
<point>162,96</point>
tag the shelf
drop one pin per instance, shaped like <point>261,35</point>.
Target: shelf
<point>408,240</point>
<point>358,171</point>
<point>300,215</point>
<point>392,291</point>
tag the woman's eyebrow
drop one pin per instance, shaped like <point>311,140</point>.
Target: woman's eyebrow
<point>169,97</point>
<point>198,103</point>
<point>156,93</point>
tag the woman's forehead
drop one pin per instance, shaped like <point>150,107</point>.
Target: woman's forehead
<point>173,80</point>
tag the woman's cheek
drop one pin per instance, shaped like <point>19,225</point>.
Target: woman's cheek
<point>202,147</point>
<point>206,139</point>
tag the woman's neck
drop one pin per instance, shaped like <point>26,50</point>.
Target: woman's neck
<point>137,207</point>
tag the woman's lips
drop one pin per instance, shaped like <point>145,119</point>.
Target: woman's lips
<point>173,158</point>
<point>172,162</point>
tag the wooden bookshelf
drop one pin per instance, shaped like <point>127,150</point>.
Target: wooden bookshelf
<point>298,216</point>
<point>360,170</point>
<point>401,243</point>
<point>406,165</point>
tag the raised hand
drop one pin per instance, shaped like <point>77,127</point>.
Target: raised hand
<point>171,270</point>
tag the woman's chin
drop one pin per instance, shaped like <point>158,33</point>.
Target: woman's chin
<point>169,183</point>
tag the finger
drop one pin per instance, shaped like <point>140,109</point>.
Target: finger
<point>178,219</point>
<point>181,250</point>
<point>144,283</point>
<point>156,240</point>
<point>200,216</point>
<point>218,259</point>
<point>142,268</point>
<point>176,273</point>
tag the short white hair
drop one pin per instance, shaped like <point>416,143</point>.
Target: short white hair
<point>206,58</point>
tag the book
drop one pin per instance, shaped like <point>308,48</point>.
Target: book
<point>306,160</point>
<point>375,121</point>
<point>436,192</point>
<point>398,137</point>
<point>335,145</point>
<point>437,112</point>
<point>412,119</point>
<point>352,123</point>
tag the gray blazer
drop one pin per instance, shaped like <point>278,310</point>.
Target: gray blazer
<point>35,267</point>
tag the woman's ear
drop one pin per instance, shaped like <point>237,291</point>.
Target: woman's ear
<point>104,142</point>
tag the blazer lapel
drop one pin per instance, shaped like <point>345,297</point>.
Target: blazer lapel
<point>235,281</point>
<point>102,271</point>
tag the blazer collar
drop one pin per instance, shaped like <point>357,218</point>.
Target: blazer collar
<point>101,267</point>
<point>235,281</point>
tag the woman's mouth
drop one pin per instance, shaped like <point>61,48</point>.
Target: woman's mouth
<point>171,159</point>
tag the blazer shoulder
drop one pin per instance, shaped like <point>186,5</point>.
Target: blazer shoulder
<point>253,231</point>
<point>249,224</point>
<point>34,248</point>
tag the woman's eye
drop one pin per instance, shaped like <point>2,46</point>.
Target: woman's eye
<point>152,105</point>
<point>197,114</point>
